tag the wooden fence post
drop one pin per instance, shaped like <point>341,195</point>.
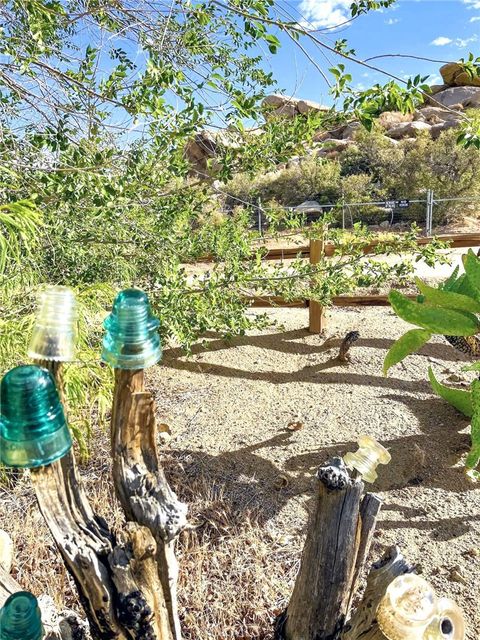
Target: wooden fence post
<point>317,318</point>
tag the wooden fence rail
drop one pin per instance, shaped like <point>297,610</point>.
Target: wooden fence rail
<point>317,250</point>
<point>456,241</point>
<point>338,301</point>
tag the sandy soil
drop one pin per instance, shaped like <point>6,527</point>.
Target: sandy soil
<point>229,406</point>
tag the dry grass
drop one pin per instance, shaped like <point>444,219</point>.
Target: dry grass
<point>236,574</point>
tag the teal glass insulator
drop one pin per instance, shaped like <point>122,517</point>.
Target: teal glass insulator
<point>131,340</point>
<point>33,430</point>
<point>55,328</point>
<point>20,618</point>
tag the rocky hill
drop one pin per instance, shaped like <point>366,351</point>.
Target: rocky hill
<point>442,110</point>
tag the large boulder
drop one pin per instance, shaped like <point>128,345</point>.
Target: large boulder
<point>287,110</point>
<point>438,129</point>
<point>199,150</point>
<point>408,130</point>
<point>332,148</point>
<point>466,96</point>
<point>390,119</point>
<point>337,133</point>
<point>436,115</point>
<point>277,100</point>
<point>350,130</point>
<point>309,106</point>
<point>436,88</point>
<point>287,106</point>
<point>454,75</point>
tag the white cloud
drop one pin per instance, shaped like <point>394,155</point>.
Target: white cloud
<point>475,19</point>
<point>461,43</point>
<point>441,41</point>
<point>391,21</point>
<point>324,13</point>
<point>472,4</point>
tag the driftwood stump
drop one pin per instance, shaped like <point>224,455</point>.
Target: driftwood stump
<point>338,540</point>
<point>116,574</point>
<point>140,483</point>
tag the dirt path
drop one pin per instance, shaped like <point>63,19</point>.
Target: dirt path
<point>229,407</point>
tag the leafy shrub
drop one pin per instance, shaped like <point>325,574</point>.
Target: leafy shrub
<point>452,310</point>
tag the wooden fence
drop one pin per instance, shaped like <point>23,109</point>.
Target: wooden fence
<point>314,251</point>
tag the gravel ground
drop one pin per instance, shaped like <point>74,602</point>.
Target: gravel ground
<point>229,406</point>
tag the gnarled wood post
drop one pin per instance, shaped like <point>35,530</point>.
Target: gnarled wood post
<point>338,539</point>
<point>116,576</point>
<point>140,483</point>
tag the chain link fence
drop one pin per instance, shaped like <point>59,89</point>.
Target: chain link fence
<point>384,213</point>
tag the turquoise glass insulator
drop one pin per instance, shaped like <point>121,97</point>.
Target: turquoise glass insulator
<point>131,340</point>
<point>55,328</point>
<point>20,618</point>
<point>33,430</point>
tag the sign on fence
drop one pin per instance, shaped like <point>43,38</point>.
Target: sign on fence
<point>397,204</point>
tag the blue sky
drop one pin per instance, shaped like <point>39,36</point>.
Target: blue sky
<point>438,29</point>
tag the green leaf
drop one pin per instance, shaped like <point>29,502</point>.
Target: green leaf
<point>447,299</point>
<point>472,367</point>
<point>461,400</point>
<point>404,346</point>
<point>450,281</point>
<point>472,269</point>
<point>473,458</point>
<point>435,319</point>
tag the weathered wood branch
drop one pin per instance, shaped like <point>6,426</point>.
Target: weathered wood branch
<point>116,581</point>
<point>140,483</point>
<point>369,510</point>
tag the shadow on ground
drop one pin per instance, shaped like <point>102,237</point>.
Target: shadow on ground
<point>254,482</point>
<point>286,342</point>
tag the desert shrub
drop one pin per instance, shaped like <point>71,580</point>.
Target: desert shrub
<point>313,178</point>
<point>408,169</point>
<point>375,169</point>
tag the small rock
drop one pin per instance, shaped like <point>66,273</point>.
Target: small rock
<point>454,377</point>
<point>295,426</point>
<point>385,223</point>
<point>456,575</point>
<point>474,552</point>
<point>281,482</point>
<point>164,437</point>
